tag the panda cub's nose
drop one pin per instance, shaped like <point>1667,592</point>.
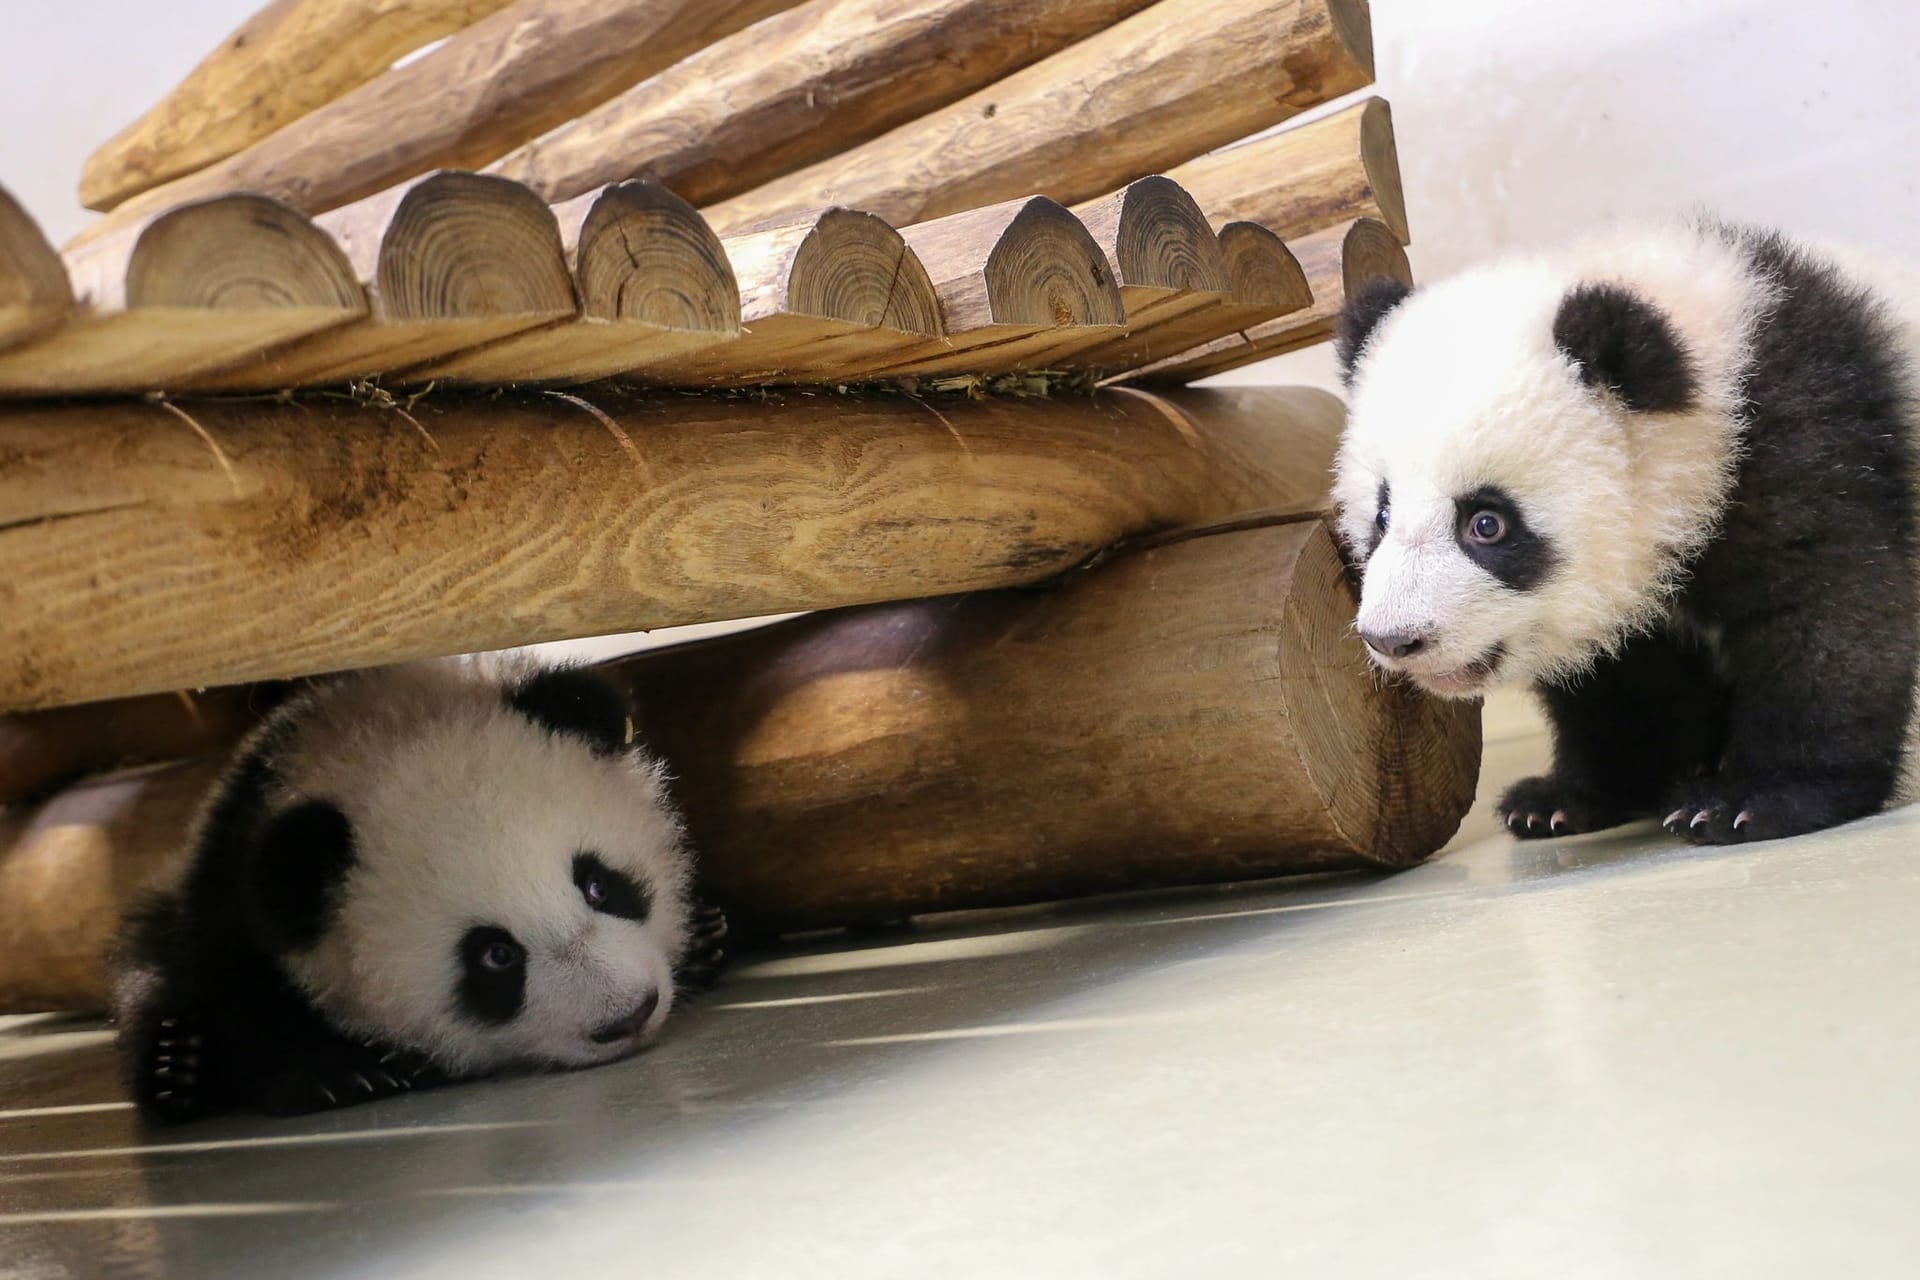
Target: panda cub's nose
<point>626,1028</point>
<point>1394,644</point>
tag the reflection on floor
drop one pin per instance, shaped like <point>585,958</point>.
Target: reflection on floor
<point>1611,1056</point>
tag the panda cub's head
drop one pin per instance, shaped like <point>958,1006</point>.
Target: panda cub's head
<point>1533,450</point>
<point>485,871</point>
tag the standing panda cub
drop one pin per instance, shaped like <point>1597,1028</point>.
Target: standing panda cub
<point>410,875</point>
<point>1665,477</point>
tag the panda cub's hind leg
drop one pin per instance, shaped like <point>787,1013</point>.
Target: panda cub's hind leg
<point>1624,734</point>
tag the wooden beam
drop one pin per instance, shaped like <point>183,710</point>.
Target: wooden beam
<point>193,289</point>
<point>259,540</point>
<point>449,261</point>
<point>1308,177</point>
<point>34,293</point>
<point>1189,713</point>
<point>505,79</point>
<point>653,283</point>
<point>820,294</point>
<point>800,87</point>
<point>1334,260</point>
<point>1175,80</point>
<point>287,59</point>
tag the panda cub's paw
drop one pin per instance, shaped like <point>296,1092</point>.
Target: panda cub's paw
<point>1537,808</point>
<point>167,1075</point>
<point>1739,810</point>
<point>706,953</point>
<point>345,1076</point>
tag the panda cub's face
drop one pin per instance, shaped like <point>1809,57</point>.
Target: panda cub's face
<point>514,894</point>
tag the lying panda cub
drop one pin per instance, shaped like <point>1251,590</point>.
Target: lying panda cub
<point>1666,477</point>
<point>410,875</point>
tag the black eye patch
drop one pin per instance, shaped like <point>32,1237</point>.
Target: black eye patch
<point>610,892</point>
<point>1521,559</point>
<point>493,975</point>
<point>1382,511</point>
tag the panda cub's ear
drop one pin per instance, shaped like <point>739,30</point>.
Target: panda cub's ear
<point>1624,344</point>
<point>1362,312</point>
<point>292,875</point>
<point>574,700</point>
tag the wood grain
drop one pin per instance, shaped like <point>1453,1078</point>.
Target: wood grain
<point>34,292</point>
<point>1175,80</point>
<point>1334,260</point>
<point>500,82</point>
<point>1191,713</point>
<point>1308,177</point>
<point>263,540</point>
<point>449,261</point>
<point>191,290</point>
<point>284,61</point>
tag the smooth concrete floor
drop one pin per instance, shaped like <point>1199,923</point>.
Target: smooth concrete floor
<point>1612,1056</point>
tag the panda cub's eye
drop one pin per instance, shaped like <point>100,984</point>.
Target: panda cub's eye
<point>608,891</point>
<point>499,956</point>
<point>1487,527</point>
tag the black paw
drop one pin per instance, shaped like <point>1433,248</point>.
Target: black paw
<point>1535,808</point>
<point>1740,810</point>
<point>345,1080</point>
<point>168,1075</point>
<point>706,953</point>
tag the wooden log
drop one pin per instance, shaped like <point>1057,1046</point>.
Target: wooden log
<point>1175,80</point>
<point>263,540</point>
<point>1308,177</point>
<point>800,87</point>
<point>193,289</point>
<point>449,261</point>
<point>653,282</point>
<point>1265,282</point>
<point>500,82</point>
<point>1012,279</point>
<point>287,59</point>
<point>1190,713</point>
<point>818,295</point>
<point>1334,260</point>
<point>34,292</point>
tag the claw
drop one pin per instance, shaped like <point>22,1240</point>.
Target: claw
<point>1698,818</point>
<point>1533,820</point>
<point>1746,816</point>
<point>1674,817</point>
<point>364,1082</point>
<point>328,1095</point>
<point>1557,821</point>
<point>1511,819</point>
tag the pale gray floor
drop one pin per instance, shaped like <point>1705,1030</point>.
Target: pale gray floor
<point>1612,1056</point>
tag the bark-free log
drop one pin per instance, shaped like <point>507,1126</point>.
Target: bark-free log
<point>818,295</point>
<point>653,283</point>
<point>800,87</point>
<point>145,553</point>
<point>1175,80</point>
<point>34,293</point>
<point>1193,712</point>
<point>505,79</point>
<point>287,59</point>
<point>1335,260</point>
<point>193,289</point>
<point>1012,279</point>
<point>449,261</point>
<point>1308,177</point>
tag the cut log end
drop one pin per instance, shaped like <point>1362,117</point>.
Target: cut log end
<point>240,253</point>
<point>472,245</point>
<point>34,292</point>
<point>1157,236</point>
<point>1047,269</point>
<point>1368,251</point>
<point>1261,270</point>
<point>854,267</point>
<point>1380,161</point>
<point>645,254</point>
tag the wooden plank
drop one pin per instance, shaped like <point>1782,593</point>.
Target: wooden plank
<point>800,87</point>
<point>258,540</point>
<point>281,63</point>
<point>1334,260</point>
<point>653,283</point>
<point>505,79</point>
<point>34,293</point>
<point>449,261</point>
<point>1175,80</point>
<point>1308,177</point>
<point>818,295</point>
<point>192,289</point>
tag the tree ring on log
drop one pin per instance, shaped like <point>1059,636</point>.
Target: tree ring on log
<point>1263,271</point>
<point>1047,269</point>
<point>239,253</point>
<point>852,266</point>
<point>645,254</point>
<point>470,244</point>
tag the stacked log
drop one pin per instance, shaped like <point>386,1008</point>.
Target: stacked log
<point>34,292</point>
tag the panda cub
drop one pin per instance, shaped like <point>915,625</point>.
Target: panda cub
<point>410,875</point>
<point>1665,477</point>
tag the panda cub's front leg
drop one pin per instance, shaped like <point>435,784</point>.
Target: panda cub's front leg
<point>1624,734</point>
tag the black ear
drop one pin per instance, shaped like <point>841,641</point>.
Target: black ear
<point>1624,344</point>
<point>294,872</point>
<point>577,701</point>
<point>1364,309</point>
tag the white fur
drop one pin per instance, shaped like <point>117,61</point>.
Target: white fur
<point>465,813</point>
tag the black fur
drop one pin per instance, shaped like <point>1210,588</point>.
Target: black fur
<point>1365,307</point>
<point>1624,344</point>
<point>619,894</point>
<point>1810,587</point>
<point>577,701</point>
<point>1522,559</point>
<point>491,993</point>
<point>294,871</point>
